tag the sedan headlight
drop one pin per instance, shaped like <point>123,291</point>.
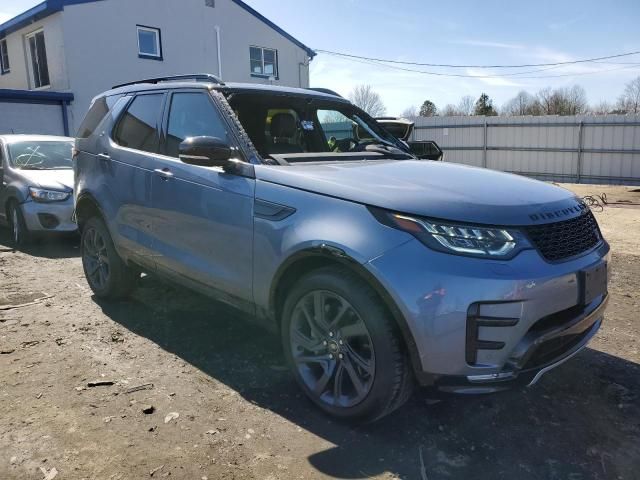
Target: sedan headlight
<point>455,238</point>
<point>43,195</point>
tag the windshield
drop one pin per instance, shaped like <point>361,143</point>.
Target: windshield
<point>41,155</point>
<point>289,125</point>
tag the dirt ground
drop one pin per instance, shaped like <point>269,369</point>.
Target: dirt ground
<point>225,407</point>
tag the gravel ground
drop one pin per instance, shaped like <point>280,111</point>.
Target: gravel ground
<point>215,401</point>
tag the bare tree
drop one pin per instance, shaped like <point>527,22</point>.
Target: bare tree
<point>546,101</point>
<point>466,105</point>
<point>368,100</point>
<point>449,110</point>
<point>629,101</point>
<point>562,101</point>
<point>576,101</point>
<point>410,113</point>
<point>522,104</point>
<point>601,108</point>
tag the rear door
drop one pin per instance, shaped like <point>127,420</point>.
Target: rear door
<point>128,162</point>
<point>203,220</point>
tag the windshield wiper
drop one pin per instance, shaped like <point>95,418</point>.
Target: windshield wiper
<point>31,167</point>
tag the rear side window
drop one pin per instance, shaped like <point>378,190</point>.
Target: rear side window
<point>94,116</point>
<point>137,127</point>
<point>192,115</point>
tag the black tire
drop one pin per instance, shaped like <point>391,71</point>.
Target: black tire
<point>20,235</point>
<point>383,368</point>
<point>106,273</point>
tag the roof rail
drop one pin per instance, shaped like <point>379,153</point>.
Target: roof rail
<point>198,77</point>
<point>325,90</point>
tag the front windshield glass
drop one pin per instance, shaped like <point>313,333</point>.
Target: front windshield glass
<point>289,125</point>
<point>39,155</point>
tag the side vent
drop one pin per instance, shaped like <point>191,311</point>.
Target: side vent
<point>474,322</point>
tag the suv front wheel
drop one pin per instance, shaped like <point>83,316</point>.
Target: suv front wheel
<point>107,275</point>
<point>343,347</point>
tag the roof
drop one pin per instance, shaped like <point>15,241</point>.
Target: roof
<point>17,137</point>
<point>49,7</point>
<point>35,96</point>
<point>228,87</point>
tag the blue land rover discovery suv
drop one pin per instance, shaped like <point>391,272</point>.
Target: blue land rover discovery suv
<point>379,271</point>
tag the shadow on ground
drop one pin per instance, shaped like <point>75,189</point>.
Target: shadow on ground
<point>50,246</point>
<point>580,422</point>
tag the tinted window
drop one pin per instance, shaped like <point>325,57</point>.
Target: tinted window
<point>192,115</point>
<point>95,115</point>
<point>138,126</point>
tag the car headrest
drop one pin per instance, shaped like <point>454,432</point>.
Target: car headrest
<point>283,125</point>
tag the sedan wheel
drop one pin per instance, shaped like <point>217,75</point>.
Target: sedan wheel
<point>19,232</point>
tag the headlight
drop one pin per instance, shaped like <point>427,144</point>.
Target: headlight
<point>461,239</point>
<point>42,195</point>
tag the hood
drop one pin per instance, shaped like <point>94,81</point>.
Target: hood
<point>446,191</point>
<point>60,179</point>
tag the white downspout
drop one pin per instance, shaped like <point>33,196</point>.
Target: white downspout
<point>219,52</point>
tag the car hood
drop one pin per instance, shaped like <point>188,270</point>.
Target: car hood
<point>61,179</point>
<point>433,189</point>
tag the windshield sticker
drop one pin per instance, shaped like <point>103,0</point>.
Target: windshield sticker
<point>307,124</point>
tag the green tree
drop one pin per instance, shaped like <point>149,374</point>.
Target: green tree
<point>428,109</point>
<point>484,106</point>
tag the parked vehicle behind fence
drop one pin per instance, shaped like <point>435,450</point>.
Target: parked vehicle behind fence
<point>378,270</point>
<point>36,182</point>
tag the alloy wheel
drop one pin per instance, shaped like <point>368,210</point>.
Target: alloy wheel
<point>95,258</point>
<point>332,349</point>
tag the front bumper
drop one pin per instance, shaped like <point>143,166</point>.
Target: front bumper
<point>536,320</point>
<point>49,217</point>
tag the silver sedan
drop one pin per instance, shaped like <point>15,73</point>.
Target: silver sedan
<point>36,185</point>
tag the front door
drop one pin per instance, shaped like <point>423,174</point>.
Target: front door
<point>203,217</point>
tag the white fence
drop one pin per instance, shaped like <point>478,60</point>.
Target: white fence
<point>583,149</point>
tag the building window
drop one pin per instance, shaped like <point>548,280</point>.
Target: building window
<point>264,62</point>
<point>38,56</point>
<point>4,57</point>
<point>149,42</point>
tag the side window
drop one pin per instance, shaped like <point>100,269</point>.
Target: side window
<point>94,116</point>
<point>192,115</point>
<point>336,128</point>
<point>137,127</point>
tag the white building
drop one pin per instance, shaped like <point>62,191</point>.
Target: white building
<point>84,47</point>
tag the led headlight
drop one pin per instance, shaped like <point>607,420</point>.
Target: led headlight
<point>43,195</point>
<point>461,239</point>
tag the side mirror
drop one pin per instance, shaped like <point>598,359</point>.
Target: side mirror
<point>205,152</point>
<point>426,150</point>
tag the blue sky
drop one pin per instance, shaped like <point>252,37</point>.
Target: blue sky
<point>457,32</point>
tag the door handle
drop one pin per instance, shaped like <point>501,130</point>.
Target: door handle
<point>164,173</point>
<point>104,157</point>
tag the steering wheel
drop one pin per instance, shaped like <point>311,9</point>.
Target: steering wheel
<point>362,147</point>
<point>345,145</point>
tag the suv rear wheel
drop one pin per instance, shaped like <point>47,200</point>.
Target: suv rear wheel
<point>107,275</point>
<point>343,347</point>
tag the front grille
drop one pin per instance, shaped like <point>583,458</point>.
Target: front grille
<point>560,240</point>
